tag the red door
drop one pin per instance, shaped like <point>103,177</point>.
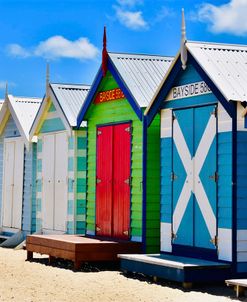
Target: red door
<point>104,181</point>
<point>113,184</point>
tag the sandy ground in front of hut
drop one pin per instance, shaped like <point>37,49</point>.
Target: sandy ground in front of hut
<point>36,281</point>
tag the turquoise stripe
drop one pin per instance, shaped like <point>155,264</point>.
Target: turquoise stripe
<point>81,164</point>
<point>81,143</point>
<point>39,145</point>
<point>70,207</point>
<point>39,165</point>
<point>71,163</point>
<point>71,143</point>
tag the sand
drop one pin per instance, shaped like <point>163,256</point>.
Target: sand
<point>38,281</point>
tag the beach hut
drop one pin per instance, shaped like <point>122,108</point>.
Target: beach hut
<point>122,193</point>
<point>17,168</point>
<point>202,102</point>
<point>61,160</point>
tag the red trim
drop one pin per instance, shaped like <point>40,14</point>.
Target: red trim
<point>104,54</point>
<point>109,95</point>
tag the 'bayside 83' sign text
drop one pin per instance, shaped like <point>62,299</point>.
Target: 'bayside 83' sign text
<point>109,95</point>
<point>188,90</point>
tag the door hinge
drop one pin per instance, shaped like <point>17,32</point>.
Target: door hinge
<point>98,229</point>
<point>128,129</point>
<point>99,132</point>
<point>214,240</point>
<point>98,180</point>
<point>127,181</point>
<point>126,233</point>
<point>215,112</point>
<point>173,176</point>
<point>174,236</point>
<point>173,117</point>
<point>215,176</point>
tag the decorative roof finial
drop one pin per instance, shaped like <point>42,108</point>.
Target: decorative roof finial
<point>47,79</point>
<point>104,54</point>
<point>6,90</point>
<point>183,42</point>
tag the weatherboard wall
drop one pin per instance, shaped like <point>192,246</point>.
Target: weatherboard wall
<point>241,192</point>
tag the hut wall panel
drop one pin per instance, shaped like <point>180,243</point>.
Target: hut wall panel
<point>166,184</point>
<point>27,190</point>
<point>10,130</point>
<point>241,198</point>
<point>81,177</point>
<point>114,112</point>
<point>34,174</point>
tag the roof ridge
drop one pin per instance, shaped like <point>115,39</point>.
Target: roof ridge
<point>140,54</point>
<point>71,84</point>
<point>217,44</point>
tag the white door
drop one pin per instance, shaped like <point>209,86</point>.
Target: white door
<point>55,188</point>
<point>13,183</point>
<point>61,187</point>
<point>48,181</point>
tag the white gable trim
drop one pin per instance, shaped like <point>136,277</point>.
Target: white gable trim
<point>41,111</point>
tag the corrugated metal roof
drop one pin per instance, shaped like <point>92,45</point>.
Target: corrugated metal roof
<point>71,98</point>
<point>141,73</point>
<point>25,109</point>
<point>225,64</point>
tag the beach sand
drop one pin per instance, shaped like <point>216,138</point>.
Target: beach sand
<point>38,281</point>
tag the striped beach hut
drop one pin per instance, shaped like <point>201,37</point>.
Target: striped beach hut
<point>203,103</point>
<point>17,168</point>
<point>122,193</point>
<point>61,160</point>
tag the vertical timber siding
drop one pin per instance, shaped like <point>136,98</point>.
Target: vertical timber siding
<point>153,187</point>
<point>28,191</point>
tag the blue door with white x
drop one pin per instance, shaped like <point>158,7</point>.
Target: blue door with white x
<point>194,176</point>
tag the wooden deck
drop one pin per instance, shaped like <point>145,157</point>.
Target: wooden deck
<point>78,248</point>
<point>239,286</point>
<point>182,269</point>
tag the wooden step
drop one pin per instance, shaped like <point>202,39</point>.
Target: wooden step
<point>78,248</point>
<point>176,268</point>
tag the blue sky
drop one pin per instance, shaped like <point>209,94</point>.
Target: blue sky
<point>68,34</point>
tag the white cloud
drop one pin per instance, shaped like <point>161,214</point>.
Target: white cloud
<point>16,50</point>
<point>57,47</point>
<point>163,13</point>
<point>132,20</point>
<point>129,2</point>
<point>225,18</point>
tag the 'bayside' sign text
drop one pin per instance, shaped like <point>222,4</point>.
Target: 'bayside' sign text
<point>188,90</point>
<point>109,95</point>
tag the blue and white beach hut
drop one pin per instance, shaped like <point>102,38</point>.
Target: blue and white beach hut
<point>17,167</point>
<point>202,101</point>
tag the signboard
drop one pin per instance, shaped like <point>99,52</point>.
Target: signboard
<point>109,95</point>
<point>188,90</point>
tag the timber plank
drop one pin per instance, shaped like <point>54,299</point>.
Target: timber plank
<point>79,248</point>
